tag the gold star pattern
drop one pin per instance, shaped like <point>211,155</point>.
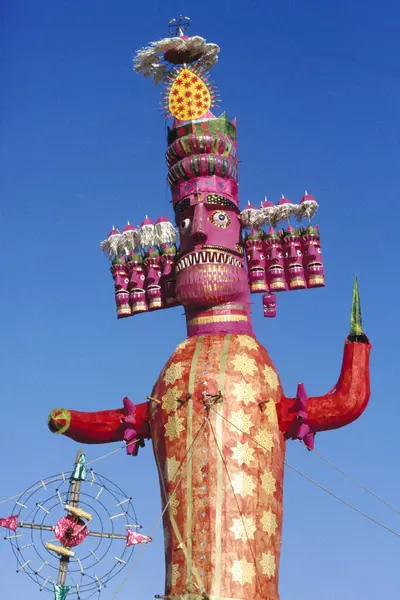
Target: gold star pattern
<point>173,574</point>
<point>174,426</point>
<point>244,391</point>
<point>269,522</point>
<point>243,484</point>
<point>247,342</point>
<point>264,438</point>
<point>243,453</point>
<point>270,411</point>
<point>240,421</point>
<point>268,482</point>
<point>172,468</point>
<point>170,399</point>
<point>271,378</point>
<point>244,364</point>
<point>243,529</point>
<point>183,345</point>
<point>174,372</point>
<point>268,564</point>
<point>243,571</point>
<point>173,504</point>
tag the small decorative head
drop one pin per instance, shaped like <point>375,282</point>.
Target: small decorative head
<point>121,283</point>
<point>274,262</point>
<point>153,275</point>
<point>210,268</point>
<point>256,261</point>
<point>137,295</point>
<point>312,257</point>
<point>167,281</point>
<point>293,258</point>
<point>269,305</point>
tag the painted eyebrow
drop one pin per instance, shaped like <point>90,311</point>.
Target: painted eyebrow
<point>212,199</point>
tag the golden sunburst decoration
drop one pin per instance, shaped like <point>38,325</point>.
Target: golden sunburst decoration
<point>189,94</point>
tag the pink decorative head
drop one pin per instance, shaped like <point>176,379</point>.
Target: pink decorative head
<point>269,305</point>
<point>274,262</point>
<point>167,281</point>
<point>121,282</point>
<point>312,257</point>
<point>210,268</point>
<point>256,261</point>
<point>153,274</point>
<point>137,295</point>
<point>293,259</point>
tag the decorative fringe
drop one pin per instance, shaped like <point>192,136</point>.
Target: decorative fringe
<point>266,214</point>
<point>110,246</point>
<point>147,233</point>
<point>129,240</point>
<point>165,232</point>
<point>307,208</point>
<point>248,215</point>
<point>149,63</point>
<point>283,211</point>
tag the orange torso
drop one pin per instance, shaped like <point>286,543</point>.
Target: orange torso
<point>220,468</point>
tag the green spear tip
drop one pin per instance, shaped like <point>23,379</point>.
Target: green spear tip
<point>356,327</point>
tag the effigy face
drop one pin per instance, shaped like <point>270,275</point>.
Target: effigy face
<point>121,282</point>
<point>137,294</point>
<point>153,275</point>
<point>210,267</point>
<point>293,259</point>
<point>312,258</point>
<point>274,262</point>
<point>256,262</point>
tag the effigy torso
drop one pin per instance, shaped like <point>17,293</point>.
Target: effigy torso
<point>219,453</point>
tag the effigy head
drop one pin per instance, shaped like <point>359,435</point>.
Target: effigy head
<point>167,281</point>
<point>293,258</point>
<point>312,257</point>
<point>256,261</point>
<point>137,294</point>
<point>269,305</point>
<point>121,282</point>
<point>210,267</point>
<point>153,274</point>
<point>274,262</point>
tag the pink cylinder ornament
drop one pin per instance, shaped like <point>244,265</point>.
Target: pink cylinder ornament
<point>256,261</point>
<point>293,259</point>
<point>119,272</point>
<point>137,294</point>
<point>274,262</point>
<point>312,257</point>
<point>269,305</point>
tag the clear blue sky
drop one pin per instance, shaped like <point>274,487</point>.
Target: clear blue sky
<point>316,90</point>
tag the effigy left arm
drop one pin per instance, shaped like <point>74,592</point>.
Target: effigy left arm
<point>339,407</point>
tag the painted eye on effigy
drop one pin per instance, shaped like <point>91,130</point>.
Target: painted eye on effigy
<point>220,219</point>
<point>184,225</point>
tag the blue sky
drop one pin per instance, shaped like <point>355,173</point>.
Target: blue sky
<point>315,87</point>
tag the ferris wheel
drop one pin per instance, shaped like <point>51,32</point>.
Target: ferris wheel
<point>73,532</point>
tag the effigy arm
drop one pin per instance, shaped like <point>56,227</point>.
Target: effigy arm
<point>303,415</point>
<point>129,424</point>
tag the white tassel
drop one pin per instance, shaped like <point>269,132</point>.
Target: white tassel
<point>110,246</point>
<point>147,233</point>
<point>165,232</point>
<point>129,240</point>
<point>248,215</point>
<point>307,208</point>
<point>283,210</point>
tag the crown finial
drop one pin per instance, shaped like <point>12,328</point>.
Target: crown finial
<point>356,327</point>
<point>178,26</point>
